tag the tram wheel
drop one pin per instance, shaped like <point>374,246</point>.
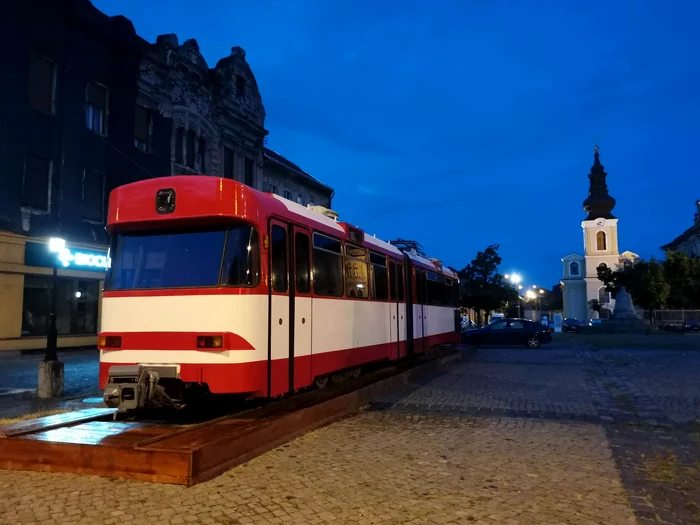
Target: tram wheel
<point>355,372</point>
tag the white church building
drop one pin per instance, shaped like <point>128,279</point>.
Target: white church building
<point>600,248</point>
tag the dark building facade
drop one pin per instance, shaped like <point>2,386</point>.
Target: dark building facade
<point>688,242</point>
<point>284,178</point>
<point>67,138</point>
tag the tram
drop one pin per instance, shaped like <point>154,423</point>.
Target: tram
<point>214,286</point>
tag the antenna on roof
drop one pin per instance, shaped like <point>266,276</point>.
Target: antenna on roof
<point>408,246</point>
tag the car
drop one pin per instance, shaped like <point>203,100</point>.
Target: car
<point>571,324</point>
<point>692,325</point>
<point>509,332</point>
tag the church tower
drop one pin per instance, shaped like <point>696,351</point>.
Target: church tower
<point>599,234</point>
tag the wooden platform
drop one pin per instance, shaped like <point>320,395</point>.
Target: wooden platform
<point>89,442</point>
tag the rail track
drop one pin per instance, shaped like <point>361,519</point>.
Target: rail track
<point>179,451</point>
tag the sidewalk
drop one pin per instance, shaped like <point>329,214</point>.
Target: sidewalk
<point>18,380</point>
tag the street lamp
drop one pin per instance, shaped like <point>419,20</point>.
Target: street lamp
<point>515,279</point>
<point>50,382</point>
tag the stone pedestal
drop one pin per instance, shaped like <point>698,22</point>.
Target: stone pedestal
<point>50,379</point>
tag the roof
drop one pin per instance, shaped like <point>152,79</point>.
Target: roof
<point>683,237</point>
<point>288,165</point>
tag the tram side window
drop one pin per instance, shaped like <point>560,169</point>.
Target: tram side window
<point>242,257</point>
<point>278,241</point>
<point>380,276</point>
<point>327,266</point>
<point>400,281</point>
<point>448,300</point>
<point>420,286</point>
<point>356,271</point>
<point>392,279</point>
<point>433,289</point>
<point>302,263</point>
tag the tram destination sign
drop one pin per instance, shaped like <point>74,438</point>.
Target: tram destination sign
<point>61,256</point>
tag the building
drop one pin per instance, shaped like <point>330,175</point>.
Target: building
<point>285,178</point>
<point>69,135</point>
<point>687,242</point>
<point>88,106</point>
<point>600,248</point>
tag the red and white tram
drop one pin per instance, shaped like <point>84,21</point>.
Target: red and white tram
<point>214,285</point>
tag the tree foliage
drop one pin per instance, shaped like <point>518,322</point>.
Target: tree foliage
<point>645,282</point>
<point>682,273</point>
<point>483,288</point>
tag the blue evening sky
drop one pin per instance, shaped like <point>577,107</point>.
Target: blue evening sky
<point>465,123</point>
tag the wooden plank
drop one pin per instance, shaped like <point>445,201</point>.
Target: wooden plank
<point>55,421</point>
<point>44,456</point>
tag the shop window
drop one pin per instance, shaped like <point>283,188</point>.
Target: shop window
<point>76,305</point>
<point>96,108</point>
<point>327,266</point>
<point>42,82</point>
<point>36,183</point>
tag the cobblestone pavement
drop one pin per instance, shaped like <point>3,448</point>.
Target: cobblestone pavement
<point>20,373</point>
<point>552,436</point>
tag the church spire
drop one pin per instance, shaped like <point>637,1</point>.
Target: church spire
<point>599,203</point>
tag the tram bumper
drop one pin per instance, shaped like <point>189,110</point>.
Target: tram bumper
<point>130,387</point>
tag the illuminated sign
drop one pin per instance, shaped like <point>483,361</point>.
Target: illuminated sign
<point>78,259</point>
<point>56,254</point>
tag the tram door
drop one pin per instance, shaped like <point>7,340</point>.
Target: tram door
<point>393,312</point>
<point>300,374</point>
<point>418,311</point>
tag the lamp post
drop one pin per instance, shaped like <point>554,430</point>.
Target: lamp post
<point>515,279</point>
<point>51,376</point>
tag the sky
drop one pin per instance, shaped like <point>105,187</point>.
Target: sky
<point>466,123</point>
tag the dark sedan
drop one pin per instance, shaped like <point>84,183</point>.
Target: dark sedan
<point>692,326</point>
<point>509,332</point>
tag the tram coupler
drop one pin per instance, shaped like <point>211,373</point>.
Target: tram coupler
<point>131,387</point>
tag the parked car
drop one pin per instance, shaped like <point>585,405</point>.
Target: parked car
<point>509,332</point>
<point>571,324</point>
<point>693,325</point>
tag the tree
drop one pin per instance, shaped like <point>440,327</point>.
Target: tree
<point>644,281</point>
<point>483,288</point>
<point>682,273</point>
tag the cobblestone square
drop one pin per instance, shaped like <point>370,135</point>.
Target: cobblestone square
<point>560,435</point>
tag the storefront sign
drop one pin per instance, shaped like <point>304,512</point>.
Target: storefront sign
<point>57,254</point>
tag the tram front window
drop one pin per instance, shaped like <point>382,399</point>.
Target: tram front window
<point>185,259</point>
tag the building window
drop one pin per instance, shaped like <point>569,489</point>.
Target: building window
<point>36,183</point>
<point>601,241</point>
<point>249,176</point>
<point>240,86</point>
<point>574,269</point>
<point>93,195</point>
<point>603,296</point>
<point>327,266</point>
<point>42,83</point>
<point>143,128</point>
<point>274,189</point>
<point>202,155</point>
<point>191,140</point>
<point>179,137</point>
<point>76,305</point>
<point>288,195</point>
<point>228,163</point>
<point>96,108</point>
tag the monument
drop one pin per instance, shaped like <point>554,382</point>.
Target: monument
<point>624,317</point>
<point>624,308</point>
